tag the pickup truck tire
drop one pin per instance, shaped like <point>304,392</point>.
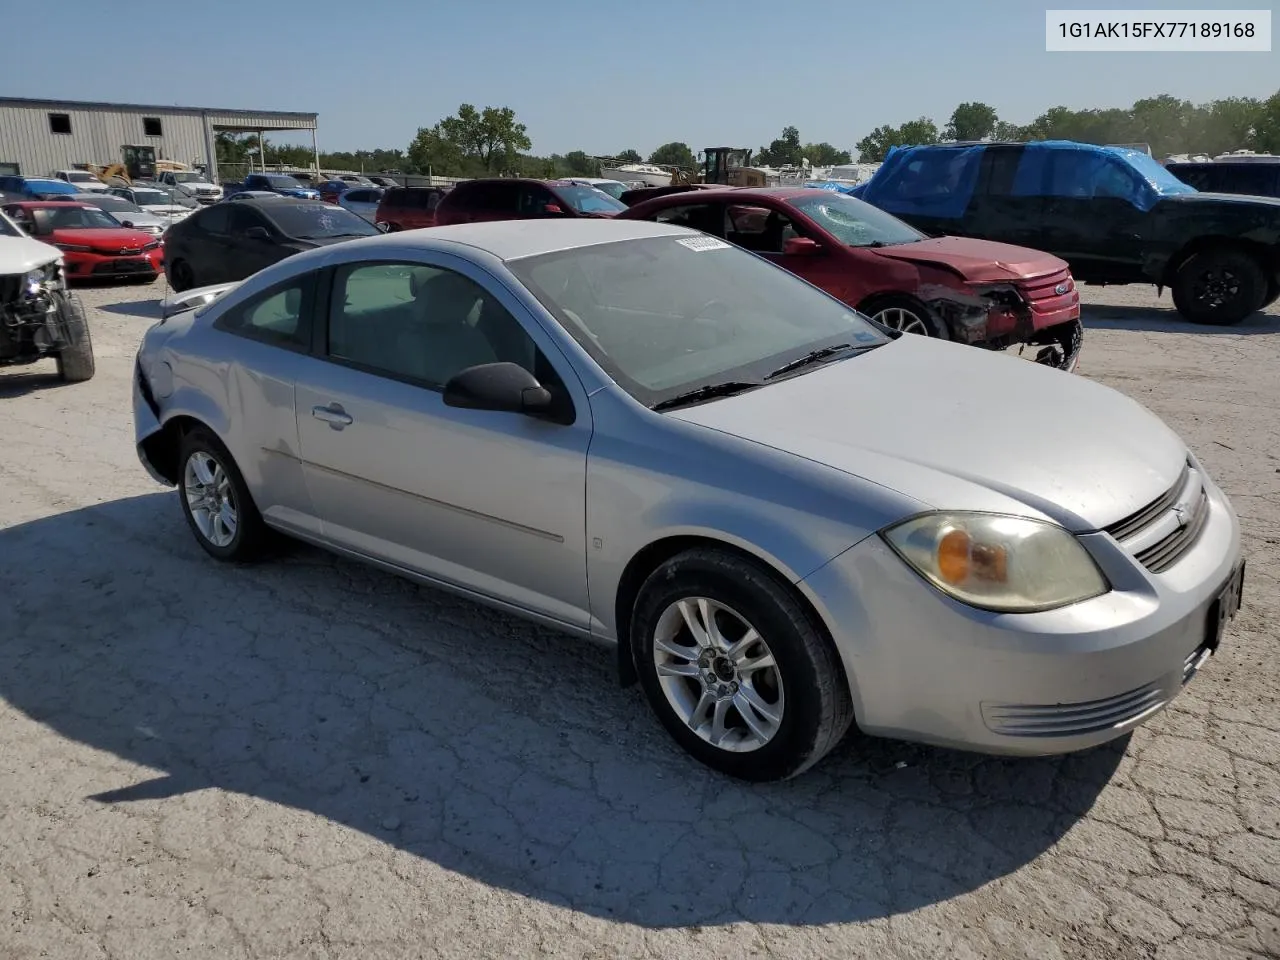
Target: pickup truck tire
<point>1219,286</point>
<point>75,360</point>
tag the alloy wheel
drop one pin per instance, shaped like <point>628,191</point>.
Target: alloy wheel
<point>900,318</point>
<point>210,499</point>
<point>718,674</point>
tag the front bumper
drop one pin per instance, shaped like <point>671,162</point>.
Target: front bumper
<point>924,667</point>
<point>86,266</point>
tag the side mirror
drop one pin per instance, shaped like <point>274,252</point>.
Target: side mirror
<point>801,247</point>
<point>505,387</point>
<point>553,210</point>
<point>257,233</point>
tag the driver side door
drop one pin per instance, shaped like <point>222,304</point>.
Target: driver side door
<point>490,502</point>
<point>248,255</point>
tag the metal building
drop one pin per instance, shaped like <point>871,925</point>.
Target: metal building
<point>40,136</point>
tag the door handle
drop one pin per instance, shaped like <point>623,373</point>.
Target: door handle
<point>333,415</point>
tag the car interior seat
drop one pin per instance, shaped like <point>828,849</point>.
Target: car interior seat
<point>440,340</point>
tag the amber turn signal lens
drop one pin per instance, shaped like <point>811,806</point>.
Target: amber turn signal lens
<point>954,556</point>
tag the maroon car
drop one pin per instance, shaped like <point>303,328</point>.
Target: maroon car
<point>974,291</point>
<point>408,208</point>
<point>514,198</point>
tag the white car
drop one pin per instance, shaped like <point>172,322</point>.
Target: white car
<point>168,206</point>
<point>194,185</point>
<point>362,201</point>
<point>81,179</point>
<point>127,212</point>
<point>614,188</point>
<point>39,317</point>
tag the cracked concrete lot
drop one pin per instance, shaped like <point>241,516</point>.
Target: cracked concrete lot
<point>312,760</point>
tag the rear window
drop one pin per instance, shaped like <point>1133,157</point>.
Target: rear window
<point>315,221</point>
<point>413,199</point>
<point>1260,179</point>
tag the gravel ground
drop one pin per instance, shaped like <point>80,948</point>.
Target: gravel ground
<point>310,759</point>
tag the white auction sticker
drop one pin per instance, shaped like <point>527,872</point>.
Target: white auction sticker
<point>1155,31</point>
<point>703,243</point>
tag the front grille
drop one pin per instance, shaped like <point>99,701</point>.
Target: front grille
<point>1074,719</point>
<point>125,266</point>
<point>1162,532</point>
<point>1035,289</point>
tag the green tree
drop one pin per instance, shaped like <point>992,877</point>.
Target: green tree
<point>876,145</point>
<point>1223,125</point>
<point>630,156</point>
<point>1266,130</point>
<point>784,151</point>
<point>471,142</point>
<point>824,154</point>
<point>971,121</point>
<point>1007,131</point>
<point>676,154</point>
<point>577,164</point>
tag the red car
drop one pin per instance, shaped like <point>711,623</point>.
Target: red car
<point>513,198</point>
<point>974,291</point>
<point>408,208</point>
<point>93,243</point>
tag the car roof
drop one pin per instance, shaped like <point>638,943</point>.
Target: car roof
<point>516,239</point>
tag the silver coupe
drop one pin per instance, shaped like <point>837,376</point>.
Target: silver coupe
<point>787,519</point>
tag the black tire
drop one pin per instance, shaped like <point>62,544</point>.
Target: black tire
<point>1059,345</point>
<point>1273,294</point>
<point>75,360</point>
<point>934,325</point>
<point>1240,277</point>
<point>181,277</point>
<point>817,709</point>
<point>250,536</point>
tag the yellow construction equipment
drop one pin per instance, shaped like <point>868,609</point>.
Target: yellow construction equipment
<point>731,167</point>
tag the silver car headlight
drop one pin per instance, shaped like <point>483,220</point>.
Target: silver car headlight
<point>996,562</point>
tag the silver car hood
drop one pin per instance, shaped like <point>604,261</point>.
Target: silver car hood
<point>959,427</point>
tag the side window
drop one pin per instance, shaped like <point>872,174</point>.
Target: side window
<point>534,200</point>
<point>1116,181</point>
<point>276,317</point>
<point>932,174</point>
<point>707,217</point>
<point>422,324</point>
<point>494,197</point>
<point>759,229</point>
<point>214,219</point>
<point>242,218</point>
<point>429,199</point>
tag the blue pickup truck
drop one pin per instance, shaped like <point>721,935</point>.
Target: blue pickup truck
<point>280,183</point>
<point>1113,213</point>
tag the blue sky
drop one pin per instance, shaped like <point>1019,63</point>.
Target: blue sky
<point>602,76</point>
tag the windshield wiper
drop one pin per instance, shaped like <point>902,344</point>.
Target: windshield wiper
<point>817,356</point>
<point>708,392</point>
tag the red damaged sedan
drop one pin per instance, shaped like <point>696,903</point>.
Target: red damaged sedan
<point>974,291</point>
<point>93,243</point>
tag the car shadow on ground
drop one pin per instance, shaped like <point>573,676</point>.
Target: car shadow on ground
<point>1157,320</point>
<point>148,309</point>
<point>491,747</point>
<point>20,381</point>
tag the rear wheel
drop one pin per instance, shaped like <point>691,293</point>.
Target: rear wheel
<point>1219,286</point>
<point>180,276</point>
<point>736,669</point>
<point>75,360</point>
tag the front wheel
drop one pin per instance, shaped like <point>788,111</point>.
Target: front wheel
<point>1219,287</point>
<point>737,670</point>
<point>216,500</point>
<point>75,360</point>
<point>908,316</point>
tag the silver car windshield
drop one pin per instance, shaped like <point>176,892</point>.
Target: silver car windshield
<point>665,315</point>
